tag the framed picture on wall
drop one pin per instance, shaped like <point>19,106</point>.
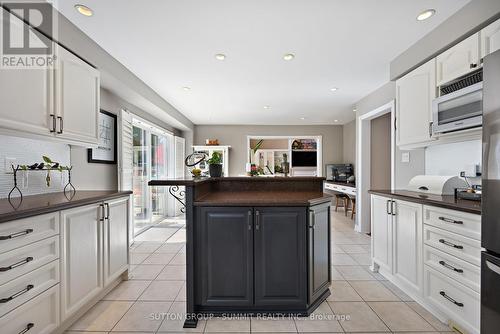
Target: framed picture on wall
<point>105,153</point>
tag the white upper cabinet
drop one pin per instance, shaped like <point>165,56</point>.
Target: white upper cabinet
<point>458,60</point>
<point>490,39</point>
<point>414,94</point>
<point>77,98</point>
<point>25,94</point>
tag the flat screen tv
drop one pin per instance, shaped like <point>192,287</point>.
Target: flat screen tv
<point>304,158</point>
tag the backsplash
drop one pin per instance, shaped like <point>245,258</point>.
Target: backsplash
<point>451,159</point>
<point>29,151</point>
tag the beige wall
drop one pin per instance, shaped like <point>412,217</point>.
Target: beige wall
<point>380,152</point>
<point>236,136</point>
<point>349,143</point>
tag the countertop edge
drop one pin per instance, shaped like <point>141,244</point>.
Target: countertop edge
<point>426,201</point>
<point>15,215</point>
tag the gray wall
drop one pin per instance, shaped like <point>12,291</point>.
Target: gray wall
<point>471,18</point>
<point>380,158</point>
<point>403,171</point>
<point>349,143</point>
<point>236,136</point>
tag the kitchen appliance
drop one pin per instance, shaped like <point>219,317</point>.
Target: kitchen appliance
<point>459,106</point>
<point>490,221</point>
<point>436,184</point>
<point>339,172</point>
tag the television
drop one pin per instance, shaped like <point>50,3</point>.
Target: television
<point>304,159</point>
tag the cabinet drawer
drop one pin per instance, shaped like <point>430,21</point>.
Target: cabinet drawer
<point>22,260</point>
<point>460,303</point>
<point>466,224</point>
<point>454,244</point>
<point>21,232</point>
<point>40,315</point>
<point>22,289</point>
<point>459,270</point>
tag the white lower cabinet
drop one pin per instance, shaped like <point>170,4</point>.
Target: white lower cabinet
<point>407,245</point>
<point>81,256</point>
<point>432,254</point>
<point>38,316</point>
<point>116,239</point>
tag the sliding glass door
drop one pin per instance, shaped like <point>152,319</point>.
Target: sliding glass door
<point>151,149</point>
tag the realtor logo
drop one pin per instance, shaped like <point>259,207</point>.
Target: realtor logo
<point>22,43</point>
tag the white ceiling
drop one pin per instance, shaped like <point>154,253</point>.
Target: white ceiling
<point>337,43</point>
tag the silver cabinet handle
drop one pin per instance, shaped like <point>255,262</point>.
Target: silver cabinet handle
<point>312,221</point>
<point>17,294</point>
<point>103,213</point>
<point>393,212</point>
<point>257,220</point>
<point>445,296</point>
<point>60,124</point>
<point>53,123</point>
<point>107,210</point>
<point>493,267</point>
<point>387,207</point>
<point>447,243</point>
<point>448,220</point>
<point>27,328</point>
<point>446,265</point>
<point>17,264</point>
<point>17,234</point>
<point>249,220</point>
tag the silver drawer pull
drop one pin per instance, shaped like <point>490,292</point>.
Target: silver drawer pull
<point>17,234</point>
<point>17,294</point>
<point>17,264</point>
<point>447,243</point>
<point>27,328</point>
<point>446,265</point>
<point>448,220</point>
<point>442,293</point>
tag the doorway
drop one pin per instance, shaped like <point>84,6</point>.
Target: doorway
<point>370,176</point>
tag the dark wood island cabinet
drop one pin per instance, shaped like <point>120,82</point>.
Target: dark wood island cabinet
<point>255,245</point>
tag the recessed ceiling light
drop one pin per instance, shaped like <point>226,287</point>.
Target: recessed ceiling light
<point>186,88</point>
<point>220,56</point>
<point>336,120</point>
<point>84,10</point>
<point>288,56</point>
<point>354,109</point>
<point>426,14</point>
<point>302,118</point>
<point>334,89</point>
<point>267,107</point>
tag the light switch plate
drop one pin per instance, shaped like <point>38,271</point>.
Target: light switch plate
<point>8,164</point>
<point>405,157</point>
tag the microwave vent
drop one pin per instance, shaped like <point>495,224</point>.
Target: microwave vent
<point>465,81</point>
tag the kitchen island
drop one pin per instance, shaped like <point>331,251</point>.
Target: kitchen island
<point>254,245</point>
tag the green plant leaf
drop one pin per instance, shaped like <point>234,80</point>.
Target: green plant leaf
<point>46,159</point>
<point>258,145</point>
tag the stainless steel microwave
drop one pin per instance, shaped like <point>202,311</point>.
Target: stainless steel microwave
<point>459,110</point>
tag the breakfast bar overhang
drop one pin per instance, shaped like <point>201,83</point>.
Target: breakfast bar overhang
<point>254,245</point>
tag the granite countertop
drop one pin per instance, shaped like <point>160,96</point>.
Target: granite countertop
<point>263,198</point>
<point>40,204</point>
<point>189,181</point>
<point>443,201</point>
<point>346,184</point>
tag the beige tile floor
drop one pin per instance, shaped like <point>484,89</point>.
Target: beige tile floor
<point>153,300</point>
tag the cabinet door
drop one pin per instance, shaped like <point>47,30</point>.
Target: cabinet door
<point>407,229</point>
<point>490,39</point>
<point>116,239</point>
<point>77,92</point>
<point>81,264</point>
<point>26,94</point>
<point>225,256</point>
<point>414,94</point>
<point>381,221</point>
<point>458,60</point>
<point>280,256</point>
<point>318,250</point>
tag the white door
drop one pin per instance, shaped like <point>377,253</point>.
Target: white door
<point>414,94</point>
<point>381,221</point>
<point>116,239</point>
<point>407,236</point>
<point>77,92</point>
<point>81,263</point>
<point>26,94</point>
<point>490,39</point>
<point>458,60</point>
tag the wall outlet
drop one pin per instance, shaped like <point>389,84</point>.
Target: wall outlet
<point>405,157</point>
<point>8,164</point>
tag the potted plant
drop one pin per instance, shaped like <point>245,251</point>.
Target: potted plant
<point>215,164</point>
